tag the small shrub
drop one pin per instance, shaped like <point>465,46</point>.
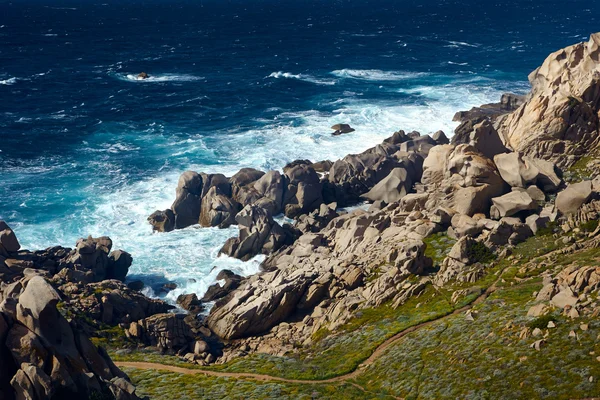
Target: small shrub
<point>589,226</point>
<point>480,253</point>
<point>541,322</point>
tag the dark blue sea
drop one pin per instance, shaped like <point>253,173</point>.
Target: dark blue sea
<point>86,148</point>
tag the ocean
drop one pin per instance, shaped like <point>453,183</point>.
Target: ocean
<point>88,149</point>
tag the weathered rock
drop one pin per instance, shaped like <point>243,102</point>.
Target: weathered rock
<point>190,303</point>
<point>574,196</point>
<point>119,267</point>
<point>217,209</point>
<point>392,188</point>
<point>513,202</point>
<point>440,137</point>
<point>258,234</point>
<point>515,170</point>
<point>186,206</point>
<point>162,221</point>
<point>258,305</point>
<point>535,222</point>
<point>304,192</point>
<point>168,332</point>
<point>341,129</point>
<point>218,291</point>
<point>8,239</point>
<point>559,120</point>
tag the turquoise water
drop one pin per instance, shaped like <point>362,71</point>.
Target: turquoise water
<point>85,148</point>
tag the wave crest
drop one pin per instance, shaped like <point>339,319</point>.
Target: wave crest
<point>301,77</point>
<point>9,81</point>
<point>160,78</point>
<point>377,75</point>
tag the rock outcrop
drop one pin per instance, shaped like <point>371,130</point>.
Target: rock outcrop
<point>44,356</point>
<point>559,120</point>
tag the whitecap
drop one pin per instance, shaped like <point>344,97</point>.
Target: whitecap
<point>160,78</point>
<point>464,44</point>
<point>301,77</point>
<point>377,75</point>
<point>9,81</point>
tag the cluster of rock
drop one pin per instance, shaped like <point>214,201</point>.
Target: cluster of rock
<point>484,189</point>
<point>496,184</point>
<point>52,300</point>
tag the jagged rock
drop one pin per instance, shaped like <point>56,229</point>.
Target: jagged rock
<point>512,203</point>
<point>461,178</point>
<point>119,267</point>
<point>536,194</point>
<point>535,222</point>
<point>559,120</point>
<point>190,303</point>
<point>547,179</point>
<point>341,129</point>
<point>564,298</point>
<point>217,291</point>
<point>271,186</point>
<point>217,209</point>
<point>440,137</point>
<point>392,188</point>
<point>461,263</point>
<point>318,219</point>
<point>515,170</point>
<point>486,139</point>
<point>574,196</point>
<point>8,239</point>
<point>258,234</point>
<point>162,221</point>
<point>508,102</point>
<point>258,305</point>
<point>48,354</point>
<point>168,332</point>
<point>304,191</point>
<point>112,302</point>
<point>186,206</point>
<point>508,232</point>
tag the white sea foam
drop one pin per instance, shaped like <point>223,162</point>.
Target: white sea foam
<point>160,78</point>
<point>301,77</point>
<point>190,256</point>
<point>377,75</point>
<point>9,81</point>
<point>464,44</point>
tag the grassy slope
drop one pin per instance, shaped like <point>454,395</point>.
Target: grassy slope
<point>452,358</point>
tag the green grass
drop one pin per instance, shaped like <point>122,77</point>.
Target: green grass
<point>438,247</point>
<point>173,386</point>
<point>484,358</point>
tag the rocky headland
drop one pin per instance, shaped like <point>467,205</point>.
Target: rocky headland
<point>476,255</point>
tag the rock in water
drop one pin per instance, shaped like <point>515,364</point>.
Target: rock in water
<point>259,234</point>
<point>341,128</point>
<point>143,75</point>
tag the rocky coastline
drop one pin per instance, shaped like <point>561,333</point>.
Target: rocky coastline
<point>511,172</point>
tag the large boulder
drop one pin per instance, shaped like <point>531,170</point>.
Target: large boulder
<point>512,203</point>
<point>259,234</point>
<point>8,239</point>
<point>392,188</point>
<point>574,196</point>
<point>258,305</point>
<point>271,186</point>
<point>559,120</point>
<point>304,191</point>
<point>186,206</point>
<point>162,221</point>
<point>218,209</point>
<point>461,178</point>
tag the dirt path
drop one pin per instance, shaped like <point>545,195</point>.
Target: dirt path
<point>379,351</point>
